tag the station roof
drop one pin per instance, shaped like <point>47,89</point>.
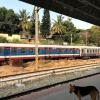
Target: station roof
<point>86,10</point>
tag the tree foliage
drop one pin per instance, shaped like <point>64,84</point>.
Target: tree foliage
<point>32,29</point>
<point>15,40</point>
<point>70,30</point>
<point>58,26</point>
<point>63,29</point>
<point>24,17</point>
<point>46,24</point>
<point>8,21</point>
<point>95,35</point>
<point>12,23</point>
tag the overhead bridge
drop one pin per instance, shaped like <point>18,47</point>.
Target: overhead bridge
<point>86,10</point>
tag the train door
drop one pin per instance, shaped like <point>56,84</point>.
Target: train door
<point>84,52</point>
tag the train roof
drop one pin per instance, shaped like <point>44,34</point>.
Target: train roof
<point>32,45</point>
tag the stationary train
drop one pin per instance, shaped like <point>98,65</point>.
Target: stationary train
<point>10,51</point>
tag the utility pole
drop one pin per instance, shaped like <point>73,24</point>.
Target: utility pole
<point>86,38</point>
<point>71,39</point>
<point>36,36</point>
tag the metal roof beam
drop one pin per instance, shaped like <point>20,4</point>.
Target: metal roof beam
<point>73,8</point>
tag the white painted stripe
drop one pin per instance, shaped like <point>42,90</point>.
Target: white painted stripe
<point>2,57</point>
<point>43,55</point>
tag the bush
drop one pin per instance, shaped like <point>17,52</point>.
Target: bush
<point>3,39</point>
<point>16,41</point>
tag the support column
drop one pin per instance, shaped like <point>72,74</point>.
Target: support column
<point>36,37</point>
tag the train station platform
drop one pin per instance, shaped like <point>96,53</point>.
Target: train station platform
<point>22,85</point>
<point>61,92</point>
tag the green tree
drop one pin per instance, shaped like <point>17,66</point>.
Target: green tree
<point>46,24</point>
<point>58,26</point>
<point>64,30</point>
<point>12,21</point>
<point>32,29</point>
<point>15,40</point>
<point>70,30</point>
<point>95,29</point>
<point>58,30</point>
<point>8,21</point>
<point>95,35</point>
<point>24,20</point>
<point>3,12</point>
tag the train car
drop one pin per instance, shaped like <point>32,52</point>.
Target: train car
<point>57,51</point>
<point>17,51</point>
<point>90,51</point>
<point>10,51</point>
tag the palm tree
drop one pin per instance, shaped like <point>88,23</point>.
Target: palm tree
<point>24,20</point>
<point>58,26</point>
<point>58,30</point>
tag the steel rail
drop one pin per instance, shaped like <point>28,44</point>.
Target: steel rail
<point>49,72</point>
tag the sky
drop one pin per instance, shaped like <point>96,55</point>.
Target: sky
<point>17,5</point>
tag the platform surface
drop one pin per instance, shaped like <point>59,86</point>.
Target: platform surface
<point>61,92</point>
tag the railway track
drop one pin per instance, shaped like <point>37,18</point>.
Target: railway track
<point>49,72</point>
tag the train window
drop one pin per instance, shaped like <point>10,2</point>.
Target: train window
<point>67,51</point>
<point>90,51</point>
<point>14,51</point>
<point>23,50</point>
<point>78,51</point>
<point>39,50</point>
<point>30,50</point>
<point>87,51</point>
<point>47,50</point>
<point>93,50</point>
<point>62,51</point>
<point>71,51</point>
<point>50,51</point>
<point>0,50</point>
<point>98,51</point>
<point>7,51</point>
<point>82,50</point>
